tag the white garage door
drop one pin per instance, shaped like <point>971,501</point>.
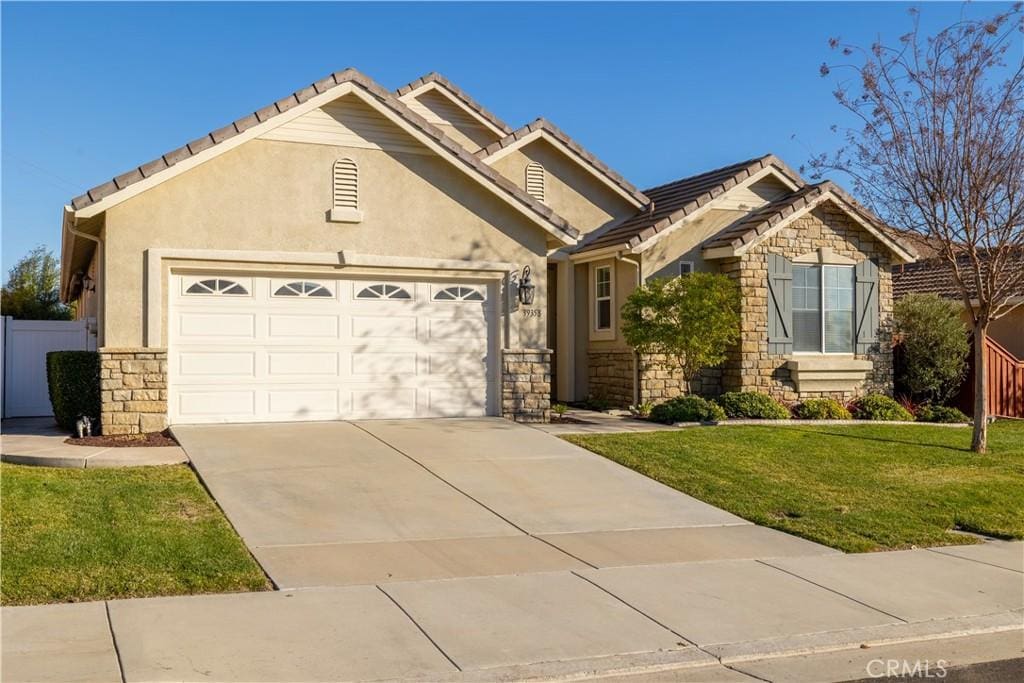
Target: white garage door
<point>254,349</point>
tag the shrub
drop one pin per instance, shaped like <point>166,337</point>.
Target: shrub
<point>934,347</point>
<point>753,405</point>
<point>687,409</point>
<point>947,414</point>
<point>559,409</point>
<point>74,381</point>
<point>642,409</point>
<point>880,407</point>
<point>822,409</point>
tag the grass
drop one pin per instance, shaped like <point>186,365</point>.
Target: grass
<point>70,535</point>
<point>856,488</point>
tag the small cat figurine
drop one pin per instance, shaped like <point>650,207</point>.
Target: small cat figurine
<point>83,426</point>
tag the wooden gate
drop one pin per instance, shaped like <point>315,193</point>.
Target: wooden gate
<point>1005,385</point>
<point>25,345</point>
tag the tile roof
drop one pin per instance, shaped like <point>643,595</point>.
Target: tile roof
<point>542,124</point>
<point>673,201</point>
<point>383,95</point>
<point>462,95</point>
<point>935,276</point>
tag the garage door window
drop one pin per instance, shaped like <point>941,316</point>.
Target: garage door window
<point>459,294</point>
<point>218,286</point>
<point>383,291</point>
<point>303,288</point>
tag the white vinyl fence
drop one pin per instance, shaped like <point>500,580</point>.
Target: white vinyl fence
<point>25,345</point>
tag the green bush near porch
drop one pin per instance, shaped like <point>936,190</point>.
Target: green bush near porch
<point>73,378</point>
<point>753,405</point>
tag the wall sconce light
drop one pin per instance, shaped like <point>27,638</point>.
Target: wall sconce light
<point>526,288</point>
<point>88,284</point>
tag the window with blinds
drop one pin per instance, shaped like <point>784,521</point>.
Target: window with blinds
<point>823,309</point>
<point>535,181</point>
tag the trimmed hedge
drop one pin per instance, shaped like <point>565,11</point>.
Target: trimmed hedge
<point>687,409</point>
<point>74,381</point>
<point>946,414</point>
<point>822,409</point>
<point>881,408</point>
<point>750,404</point>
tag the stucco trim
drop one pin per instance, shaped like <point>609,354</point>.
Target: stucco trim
<point>153,276</point>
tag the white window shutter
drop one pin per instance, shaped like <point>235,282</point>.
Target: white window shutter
<point>535,181</point>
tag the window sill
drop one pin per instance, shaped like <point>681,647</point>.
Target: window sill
<point>345,215</point>
<point>828,372</point>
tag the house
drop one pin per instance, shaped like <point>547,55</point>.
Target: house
<point>349,251</point>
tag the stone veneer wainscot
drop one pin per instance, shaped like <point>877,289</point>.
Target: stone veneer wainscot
<point>526,385</point>
<point>133,390</point>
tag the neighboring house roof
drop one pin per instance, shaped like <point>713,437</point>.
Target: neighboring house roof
<point>756,226</point>
<point>935,276</point>
<point>459,94</point>
<point>211,144</point>
<point>674,201</point>
<point>541,127</point>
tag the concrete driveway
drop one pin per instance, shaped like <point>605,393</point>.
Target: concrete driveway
<point>344,503</point>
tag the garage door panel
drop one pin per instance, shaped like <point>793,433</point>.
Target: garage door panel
<point>217,363</point>
<point>387,327</point>
<point>207,403</point>
<point>299,404</point>
<point>299,357</point>
<point>368,363</point>
<point>283,363</point>
<point>206,325</point>
<point>283,326</point>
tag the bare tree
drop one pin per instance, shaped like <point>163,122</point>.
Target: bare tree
<point>938,149</point>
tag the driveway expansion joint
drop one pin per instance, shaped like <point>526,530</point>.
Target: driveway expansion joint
<point>113,641</point>
<point>420,628</point>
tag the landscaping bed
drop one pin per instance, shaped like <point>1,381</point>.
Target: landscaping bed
<point>857,488</point>
<point>71,535</point>
<point>152,439</point>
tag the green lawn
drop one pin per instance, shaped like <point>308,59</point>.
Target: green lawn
<point>71,535</point>
<point>857,488</point>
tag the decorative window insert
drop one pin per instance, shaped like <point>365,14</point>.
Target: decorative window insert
<point>383,291</point>
<point>603,298</point>
<point>459,293</point>
<point>685,267</point>
<point>823,309</point>
<point>217,286</point>
<point>535,181</point>
<point>303,288</point>
<point>345,208</point>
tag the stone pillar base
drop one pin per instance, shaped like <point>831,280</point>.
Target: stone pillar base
<point>526,385</point>
<point>133,390</point>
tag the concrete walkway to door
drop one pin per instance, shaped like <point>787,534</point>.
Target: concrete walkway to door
<point>339,503</point>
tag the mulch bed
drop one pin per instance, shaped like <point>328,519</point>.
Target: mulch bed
<point>565,419</point>
<point>153,439</point>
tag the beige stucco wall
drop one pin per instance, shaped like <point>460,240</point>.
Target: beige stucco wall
<point>571,192</point>
<point>271,195</point>
<point>684,244</point>
<point>1007,331</point>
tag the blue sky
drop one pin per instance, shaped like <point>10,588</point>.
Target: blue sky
<point>658,91</point>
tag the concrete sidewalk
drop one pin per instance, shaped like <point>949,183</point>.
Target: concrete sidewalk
<point>796,618</point>
<point>38,441</point>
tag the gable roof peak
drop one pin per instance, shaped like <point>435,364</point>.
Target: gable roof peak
<point>459,94</point>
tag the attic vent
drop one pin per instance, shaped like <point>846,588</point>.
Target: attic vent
<point>346,192</point>
<point>535,181</point>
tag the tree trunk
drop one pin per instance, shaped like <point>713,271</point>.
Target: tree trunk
<point>979,441</point>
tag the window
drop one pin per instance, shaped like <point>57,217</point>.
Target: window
<point>823,309</point>
<point>603,298</point>
<point>685,267</point>
<point>383,291</point>
<point>345,207</point>
<point>302,289</point>
<point>535,181</point>
<point>217,286</point>
<point>459,294</point>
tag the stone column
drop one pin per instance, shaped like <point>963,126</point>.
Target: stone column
<point>133,390</point>
<point>526,385</point>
